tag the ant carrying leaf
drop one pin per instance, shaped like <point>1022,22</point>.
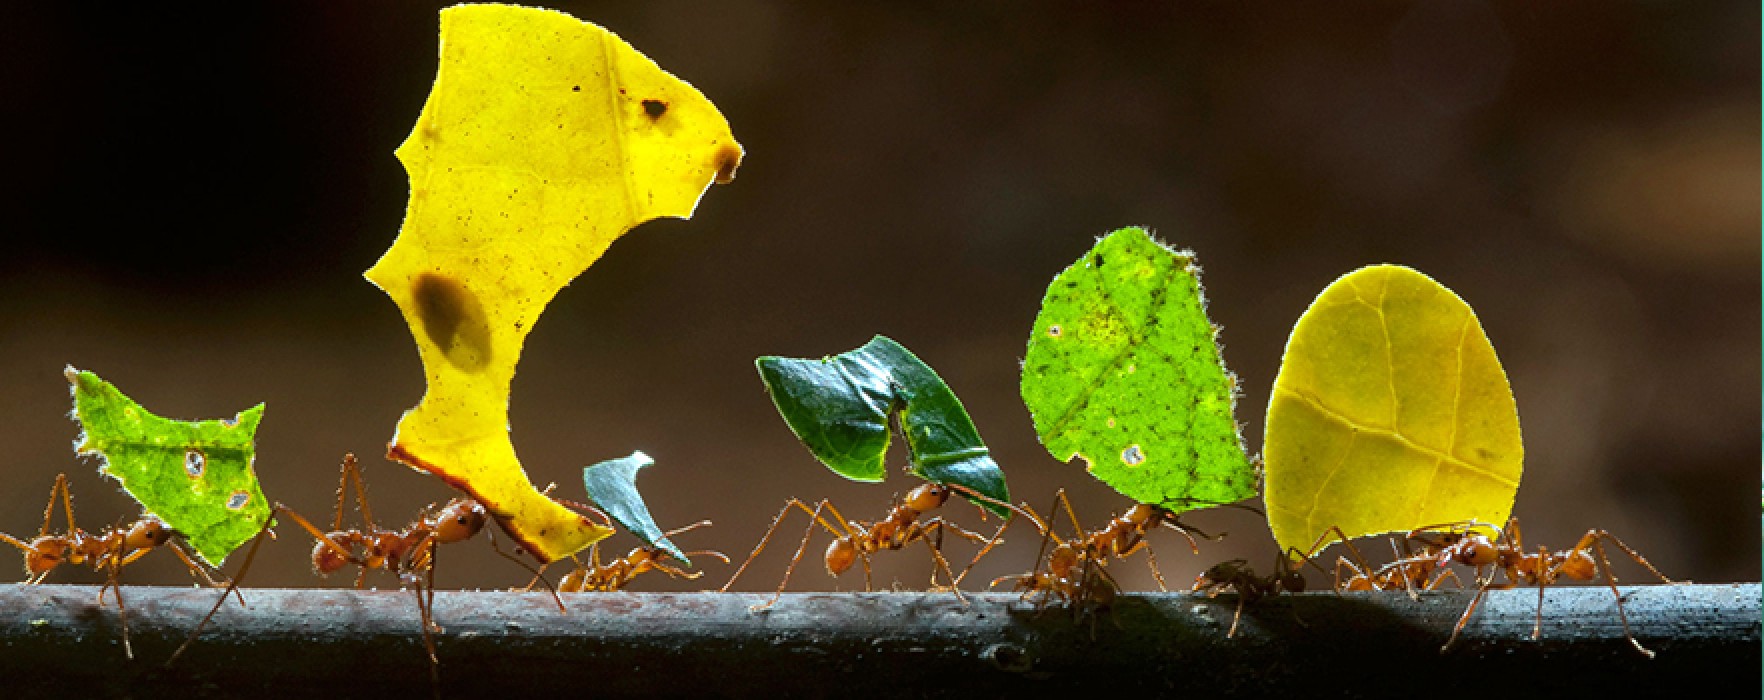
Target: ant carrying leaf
<point>407,552</point>
<point>845,410</point>
<point>191,477</point>
<point>1506,553</point>
<point>1237,576</point>
<point>108,551</point>
<point>612,487</point>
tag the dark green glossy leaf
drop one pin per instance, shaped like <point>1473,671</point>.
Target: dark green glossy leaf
<point>841,408</point>
<point>612,486</point>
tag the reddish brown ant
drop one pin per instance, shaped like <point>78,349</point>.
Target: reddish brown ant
<point>408,553</point>
<point>596,577</point>
<point>855,540</point>
<point>1408,571</point>
<point>1506,553</point>
<point>1237,576</point>
<point>108,551</point>
<point>1069,565</point>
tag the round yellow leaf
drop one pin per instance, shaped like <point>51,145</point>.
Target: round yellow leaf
<point>1390,412</point>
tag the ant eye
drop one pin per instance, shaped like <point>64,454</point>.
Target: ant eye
<point>464,520</point>
<point>194,463</point>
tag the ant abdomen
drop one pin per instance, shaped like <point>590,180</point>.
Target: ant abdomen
<point>841,554</point>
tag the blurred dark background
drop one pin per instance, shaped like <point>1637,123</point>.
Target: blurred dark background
<point>190,201</point>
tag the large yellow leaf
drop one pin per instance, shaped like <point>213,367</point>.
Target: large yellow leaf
<point>1390,413</point>
<point>543,140</point>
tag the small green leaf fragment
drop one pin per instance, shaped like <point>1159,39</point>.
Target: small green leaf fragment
<point>612,486</point>
<point>195,476</point>
<point>840,407</point>
<point>1123,369</point>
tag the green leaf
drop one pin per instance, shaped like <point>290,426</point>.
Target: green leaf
<point>1123,370</point>
<point>612,486</point>
<point>1391,412</point>
<point>840,408</point>
<point>194,475</point>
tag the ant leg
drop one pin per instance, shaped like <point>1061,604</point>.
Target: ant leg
<point>538,573</point>
<point>1435,583</point>
<point>196,569</point>
<point>1468,611</point>
<point>122,611</point>
<point>233,585</point>
<point>1605,562</point>
<point>60,488</point>
<point>352,472</point>
<point>1544,579</point>
<point>813,514</point>
<point>1151,560</point>
<point>1465,618</point>
<point>1235,617</point>
<point>814,517</point>
<point>1593,536</point>
<point>937,555</point>
<point>990,543</point>
<point>1061,498</point>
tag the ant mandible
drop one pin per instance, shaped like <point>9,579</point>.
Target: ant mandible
<point>1506,553</point>
<point>858,540</point>
<point>108,551</point>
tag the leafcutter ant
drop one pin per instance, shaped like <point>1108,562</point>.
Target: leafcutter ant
<point>1237,576</point>
<point>408,552</point>
<point>855,540</point>
<point>613,576</point>
<point>1458,544</point>
<point>109,551</point>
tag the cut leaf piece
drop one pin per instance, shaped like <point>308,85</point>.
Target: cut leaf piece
<point>1391,412</point>
<point>195,476</point>
<point>543,140</point>
<point>1123,370</point>
<point>840,407</point>
<point>612,486</point>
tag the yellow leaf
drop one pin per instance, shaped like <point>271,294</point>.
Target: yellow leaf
<point>1390,413</point>
<point>543,140</point>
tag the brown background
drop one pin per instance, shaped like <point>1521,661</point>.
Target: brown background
<point>190,201</point>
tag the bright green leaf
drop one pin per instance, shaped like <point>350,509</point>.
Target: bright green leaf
<point>194,475</point>
<point>1391,412</point>
<point>840,407</point>
<point>1123,370</point>
<point>612,486</point>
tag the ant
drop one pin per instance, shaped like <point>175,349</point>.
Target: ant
<point>408,553</point>
<point>858,540</point>
<point>1458,544</point>
<point>1070,560</point>
<point>107,551</point>
<point>615,575</point>
<point>1408,571</point>
<point>1236,575</point>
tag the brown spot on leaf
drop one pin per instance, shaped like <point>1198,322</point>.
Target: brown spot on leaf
<point>454,320</point>
<point>728,159</point>
<point>655,108</point>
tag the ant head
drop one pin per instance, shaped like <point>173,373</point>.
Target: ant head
<point>327,559</point>
<point>927,497</point>
<point>841,554</point>
<point>146,533</point>
<point>459,521</point>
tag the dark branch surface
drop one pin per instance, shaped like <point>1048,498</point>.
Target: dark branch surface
<point>310,642</point>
